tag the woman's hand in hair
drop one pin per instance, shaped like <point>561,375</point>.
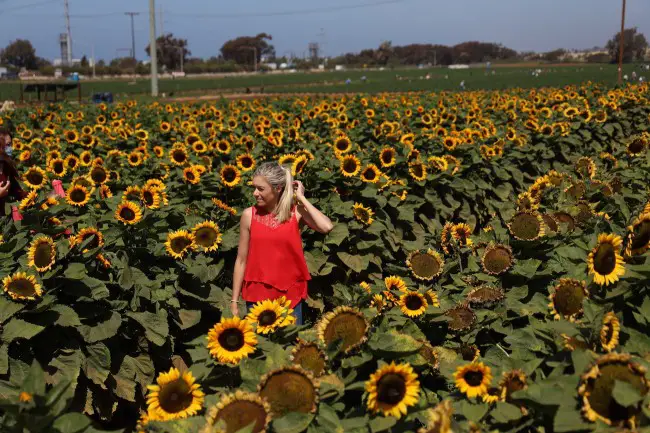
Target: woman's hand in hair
<point>4,188</point>
<point>299,189</point>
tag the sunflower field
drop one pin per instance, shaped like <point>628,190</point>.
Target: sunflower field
<point>488,269</point>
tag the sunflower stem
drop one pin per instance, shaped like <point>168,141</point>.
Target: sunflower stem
<point>502,349</point>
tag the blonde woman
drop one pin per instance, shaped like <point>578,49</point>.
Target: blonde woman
<point>270,260</point>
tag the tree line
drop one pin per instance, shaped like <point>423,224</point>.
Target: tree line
<point>247,52</point>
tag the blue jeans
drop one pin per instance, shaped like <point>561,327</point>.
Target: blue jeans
<point>297,311</point>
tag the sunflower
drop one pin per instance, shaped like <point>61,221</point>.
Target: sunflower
<point>132,192</point>
<point>57,167</point>
<point>22,287</point>
<point>230,175</point>
<point>461,318</point>
<point>86,234</point>
<point>484,296</point>
<point>191,175</point>
<point>42,253</point>
<point>135,159</point>
<point>511,382</point>
<point>98,174</point>
<point>392,389</point>
<point>363,214</point>
<point>71,136</point>
<point>35,178</point>
<point>567,298</point>
<point>77,195</point>
<point>343,324</point>
<point>605,261</point>
<point>310,357</point>
<point>492,395</point>
<point>150,196</point>
<point>271,314</point>
<point>418,171</point>
<point>497,259</point>
<point>586,167</point>
<point>223,206</point>
<point>597,386</point>
<point>128,213</point>
<point>473,379</point>
<point>223,146</point>
<point>527,226</point>
<point>638,241</point>
<point>413,304</point>
<point>239,410</point>
<point>289,389</point>
<point>438,419</point>
<point>342,144</point>
<point>299,165</point>
<point>232,340</point>
<point>29,200</point>
<point>178,156</point>
<point>461,232</point>
<point>394,282</point>
<point>179,243</point>
<point>387,157</point>
<point>425,265</point>
<point>609,332</point>
<point>350,165</point>
<point>175,396</point>
<point>371,174</point>
<point>636,146</point>
<point>245,162</point>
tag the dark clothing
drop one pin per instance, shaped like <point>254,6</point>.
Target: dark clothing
<point>9,172</point>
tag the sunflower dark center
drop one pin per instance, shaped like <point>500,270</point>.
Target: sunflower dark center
<point>175,396</point>
<point>179,156</point>
<point>601,398</point>
<point>72,163</point>
<point>350,166</point>
<point>473,378</point>
<point>95,240</point>
<point>341,145</point>
<point>362,214</point>
<point>461,318</point>
<point>246,162</point>
<point>347,327</point>
<point>605,259</point>
<point>267,318</point>
<point>568,299</point>
<point>22,287</point>
<point>525,226</point>
<point>127,214</point>
<point>59,167</point>
<point>425,265</point>
<point>98,175</point>
<point>43,255</point>
<point>231,339</point>
<point>242,413</point>
<point>391,389</point>
<point>636,146</point>
<point>148,198</point>
<point>497,260</point>
<point>418,170</point>
<point>35,178</point>
<point>78,196</point>
<point>413,302</point>
<point>189,175</point>
<point>180,243</point>
<point>387,157</point>
<point>641,235</point>
<point>310,357</point>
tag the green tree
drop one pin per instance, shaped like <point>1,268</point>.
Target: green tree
<point>634,46</point>
<point>20,54</point>
<point>244,49</point>
<point>169,51</point>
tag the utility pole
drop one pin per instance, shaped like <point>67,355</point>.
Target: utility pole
<point>69,32</point>
<point>621,45</point>
<point>132,14</point>
<point>154,48</point>
<point>162,22</point>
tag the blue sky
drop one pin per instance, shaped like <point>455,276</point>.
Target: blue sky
<point>538,25</point>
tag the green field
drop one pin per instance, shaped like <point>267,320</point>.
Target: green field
<point>332,82</point>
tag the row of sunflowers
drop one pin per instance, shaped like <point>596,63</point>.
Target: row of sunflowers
<point>487,271</point>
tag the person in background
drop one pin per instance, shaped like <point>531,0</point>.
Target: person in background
<point>270,260</point>
<point>10,189</point>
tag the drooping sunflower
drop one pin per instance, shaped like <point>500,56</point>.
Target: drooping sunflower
<point>484,296</point>
<point>462,232</point>
<point>371,174</point>
<point>150,197</point>
<point>597,386</point>
<point>527,226</point>
<point>22,287</point>
<point>363,214</point>
<point>91,234</point>
<point>310,357</point>
<point>392,389</point>
<point>29,200</point>
<point>223,206</point>
<point>387,157</point>
<point>438,419</point>
<point>345,324</point>
<point>413,304</point>
<point>609,332</point>
<point>175,396</point>
<point>289,389</point>
<point>418,171</point>
<point>299,165</point>
<point>350,165</point>
<point>497,259</point>
<point>461,318</point>
<point>230,176</point>
<point>270,315</point>
<point>511,382</point>
<point>35,178</point>
<point>77,195</point>
<point>232,340</point>
<point>240,410</point>
<point>605,261</point>
<point>128,212</point>
<point>132,192</point>
<point>566,299</point>
<point>473,379</point>
<point>425,265</point>
<point>179,243</point>
<point>245,162</point>
<point>42,253</point>
<point>394,282</point>
<point>638,240</point>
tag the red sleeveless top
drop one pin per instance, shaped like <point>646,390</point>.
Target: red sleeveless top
<point>276,264</point>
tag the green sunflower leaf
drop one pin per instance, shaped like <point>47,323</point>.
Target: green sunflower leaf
<point>626,394</point>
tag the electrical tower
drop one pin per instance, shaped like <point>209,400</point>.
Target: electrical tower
<point>132,14</point>
<point>313,51</point>
<point>67,58</point>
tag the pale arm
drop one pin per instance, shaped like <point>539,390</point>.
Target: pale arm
<point>313,217</point>
<point>240,262</point>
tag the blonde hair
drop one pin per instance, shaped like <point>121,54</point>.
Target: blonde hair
<point>279,176</point>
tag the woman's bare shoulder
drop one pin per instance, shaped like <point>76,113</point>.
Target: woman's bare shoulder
<point>247,215</point>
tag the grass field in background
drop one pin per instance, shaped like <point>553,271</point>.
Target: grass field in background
<point>333,82</point>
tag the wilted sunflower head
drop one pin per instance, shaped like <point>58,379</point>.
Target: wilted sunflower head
<point>42,253</point>
<point>175,396</point>
<point>609,332</point>
<point>425,265</point>
<point>392,389</point>
<point>586,167</point>
<point>240,410</point>
<point>438,419</point>
<point>638,241</point>
<point>461,318</point>
<point>310,357</point>
<point>22,287</point>
<point>484,296</point>
<point>567,297</point>
<point>596,390</point>
<point>511,382</point>
<point>289,389</point>
<point>605,261</point>
<point>527,226</point>
<point>497,259</point>
<point>344,324</point>
<point>232,340</point>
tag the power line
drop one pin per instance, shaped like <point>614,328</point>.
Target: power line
<point>27,6</point>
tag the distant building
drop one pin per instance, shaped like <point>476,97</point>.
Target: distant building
<point>75,62</point>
